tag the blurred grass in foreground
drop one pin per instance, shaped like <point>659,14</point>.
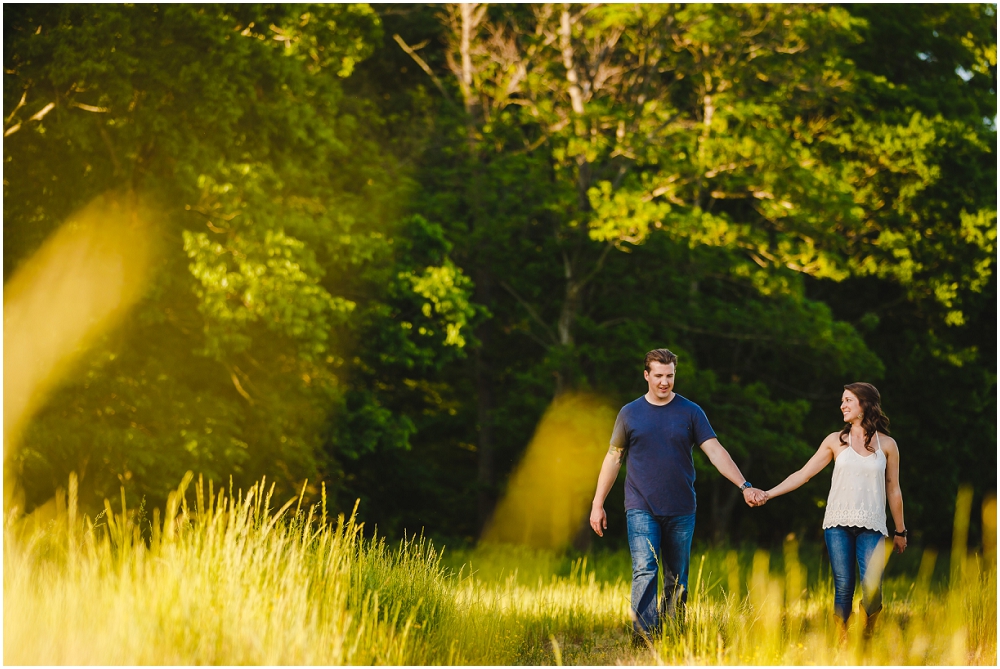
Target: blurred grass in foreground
<point>222,578</point>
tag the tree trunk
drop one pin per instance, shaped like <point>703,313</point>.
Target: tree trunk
<point>573,296</point>
<point>572,302</point>
<point>723,504</point>
<point>486,474</point>
<point>469,17</point>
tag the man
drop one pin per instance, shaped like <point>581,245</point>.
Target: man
<point>657,433</point>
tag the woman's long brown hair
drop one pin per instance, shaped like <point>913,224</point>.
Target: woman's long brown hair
<point>872,417</point>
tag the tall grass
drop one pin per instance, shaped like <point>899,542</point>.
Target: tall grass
<point>223,577</point>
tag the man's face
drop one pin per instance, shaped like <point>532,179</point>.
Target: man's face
<point>660,378</point>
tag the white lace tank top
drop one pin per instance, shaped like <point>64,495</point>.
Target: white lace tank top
<point>857,492</point>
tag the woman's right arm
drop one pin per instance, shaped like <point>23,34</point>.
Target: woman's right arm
<point>815,464</point>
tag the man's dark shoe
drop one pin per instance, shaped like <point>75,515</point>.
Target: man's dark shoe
<point>640,641</point>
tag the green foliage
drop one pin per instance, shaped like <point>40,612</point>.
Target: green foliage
<point>226,120</point>
<point>412,325</point>
<point>273,282</point>
<point>446,291</point>
<point>379,277</point>
<point>746,166</point>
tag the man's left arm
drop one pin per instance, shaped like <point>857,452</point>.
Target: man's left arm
<point>722,461</point>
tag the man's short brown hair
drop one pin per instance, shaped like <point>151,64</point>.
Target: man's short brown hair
<point>660,355</point>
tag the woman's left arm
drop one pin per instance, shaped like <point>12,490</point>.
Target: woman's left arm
<point>892,492</point>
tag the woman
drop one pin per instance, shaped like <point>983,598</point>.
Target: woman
<point>865,476</point>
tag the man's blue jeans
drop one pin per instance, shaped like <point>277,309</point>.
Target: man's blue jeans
<point>658,541</point>
<point>847,545</point>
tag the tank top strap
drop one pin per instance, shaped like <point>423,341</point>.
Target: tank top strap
<point>878,442</point>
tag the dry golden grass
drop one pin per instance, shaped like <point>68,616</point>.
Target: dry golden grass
<point>222,578</point>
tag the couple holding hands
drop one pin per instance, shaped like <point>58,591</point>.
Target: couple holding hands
<point>657,433</point>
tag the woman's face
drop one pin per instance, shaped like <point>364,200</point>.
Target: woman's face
<point>850,406</point>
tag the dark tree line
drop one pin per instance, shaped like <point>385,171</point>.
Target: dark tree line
<point>392,235</point>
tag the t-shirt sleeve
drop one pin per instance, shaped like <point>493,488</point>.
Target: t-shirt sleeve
<point>619,436</point>
<point>702,429</point>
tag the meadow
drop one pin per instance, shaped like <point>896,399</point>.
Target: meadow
<point>225,577</point>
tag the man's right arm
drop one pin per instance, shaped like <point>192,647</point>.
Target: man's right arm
<point>606,479</point>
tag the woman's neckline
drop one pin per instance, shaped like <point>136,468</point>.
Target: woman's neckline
<point>850,445</point>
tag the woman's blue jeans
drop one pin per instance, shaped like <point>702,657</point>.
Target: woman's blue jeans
<point>846,546</point>
<point>655,541</point>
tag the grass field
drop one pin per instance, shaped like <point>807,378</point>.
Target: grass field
<point>224,578</point>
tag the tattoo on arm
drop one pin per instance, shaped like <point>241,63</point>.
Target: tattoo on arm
<point>617,453</point>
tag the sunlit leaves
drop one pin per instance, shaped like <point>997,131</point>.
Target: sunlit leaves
<point>328,36</point>
<point>622,216</point>
<point>271,280</point>
<point>910,235</point>
<point>447,294</point>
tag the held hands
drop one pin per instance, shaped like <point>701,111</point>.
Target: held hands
<point>755,497</point>
<point>752,496</point>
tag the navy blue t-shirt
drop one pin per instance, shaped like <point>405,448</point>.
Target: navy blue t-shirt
<point>658,442</point>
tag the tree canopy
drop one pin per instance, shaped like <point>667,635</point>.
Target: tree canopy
<point>390,235</point>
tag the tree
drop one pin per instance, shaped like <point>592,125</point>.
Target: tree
<point>614,123</point>
<point>229,122</point>
<point>928,297</point>
<point>390,239</point>
<point>750,130</point>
